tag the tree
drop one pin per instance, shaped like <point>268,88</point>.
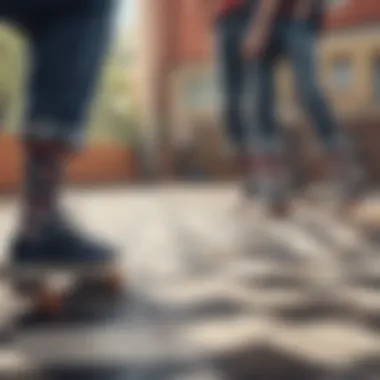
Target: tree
<point>114,115</point>
<point>12,71</point>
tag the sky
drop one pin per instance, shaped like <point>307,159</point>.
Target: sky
<point>125,15</point>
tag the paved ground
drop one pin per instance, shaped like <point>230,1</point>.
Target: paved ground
<point>210,295</point>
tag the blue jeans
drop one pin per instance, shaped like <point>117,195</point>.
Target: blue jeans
<point>68,40</point>
<point>297,41</point>
<point>230,33</point>
<point>290,39</point>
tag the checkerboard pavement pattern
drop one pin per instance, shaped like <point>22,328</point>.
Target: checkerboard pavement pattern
<point>212,295</point>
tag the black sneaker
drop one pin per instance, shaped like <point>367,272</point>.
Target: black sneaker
<point>274,185</point>
<point>276,194</point>
<point>60,248</point>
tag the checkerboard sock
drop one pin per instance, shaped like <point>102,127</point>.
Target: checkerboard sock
<point>43,174</point>
<point>244,166</point>
<point>272,171</point>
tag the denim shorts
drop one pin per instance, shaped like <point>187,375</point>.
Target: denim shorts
<point>68,40</point>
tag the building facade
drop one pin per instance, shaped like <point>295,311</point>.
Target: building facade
<point>350,55</point>
<point>185,90</point>
<point>174,55</point>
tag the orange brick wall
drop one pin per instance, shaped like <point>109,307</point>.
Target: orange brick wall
<point>97,164</point>
<point>193,33</point>
<point>186,33</point>
<point>193,42</point>
<point>354,13</point>
<point>10,160</point>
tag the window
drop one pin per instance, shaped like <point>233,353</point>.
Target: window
<point>341,76</point>
<point>376,79</point>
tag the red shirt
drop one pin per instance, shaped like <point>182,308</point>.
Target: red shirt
<point>226,6</point>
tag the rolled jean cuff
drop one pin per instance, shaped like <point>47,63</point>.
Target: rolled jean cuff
<point>49,130</point>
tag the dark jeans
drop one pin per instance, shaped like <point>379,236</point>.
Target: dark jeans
<point>296,41</point>
<point>290,39</point>
<point>230,33</point>
<point>68,40</point>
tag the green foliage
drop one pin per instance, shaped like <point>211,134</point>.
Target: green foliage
<point>12,73</point>
<point>113,117</point>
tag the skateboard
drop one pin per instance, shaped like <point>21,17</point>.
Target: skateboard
<point>48,289</point>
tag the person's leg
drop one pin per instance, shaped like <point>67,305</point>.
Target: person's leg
<point>301,41</point>
<point>67,43</point>
<point>270,166</point>
<point>267,129</point>
<point>230,36</point>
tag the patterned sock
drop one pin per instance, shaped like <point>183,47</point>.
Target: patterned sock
<point>272,175</point>
<point>43,174</point>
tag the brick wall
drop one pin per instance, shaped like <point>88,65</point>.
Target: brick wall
<point>99,164</point>
<point>194,34</point>
<point>353,13</point>
<point>182,32</point>
<point>188,36</point>
<point>173,33</point>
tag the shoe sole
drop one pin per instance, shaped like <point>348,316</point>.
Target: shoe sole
<point>75,269</point>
